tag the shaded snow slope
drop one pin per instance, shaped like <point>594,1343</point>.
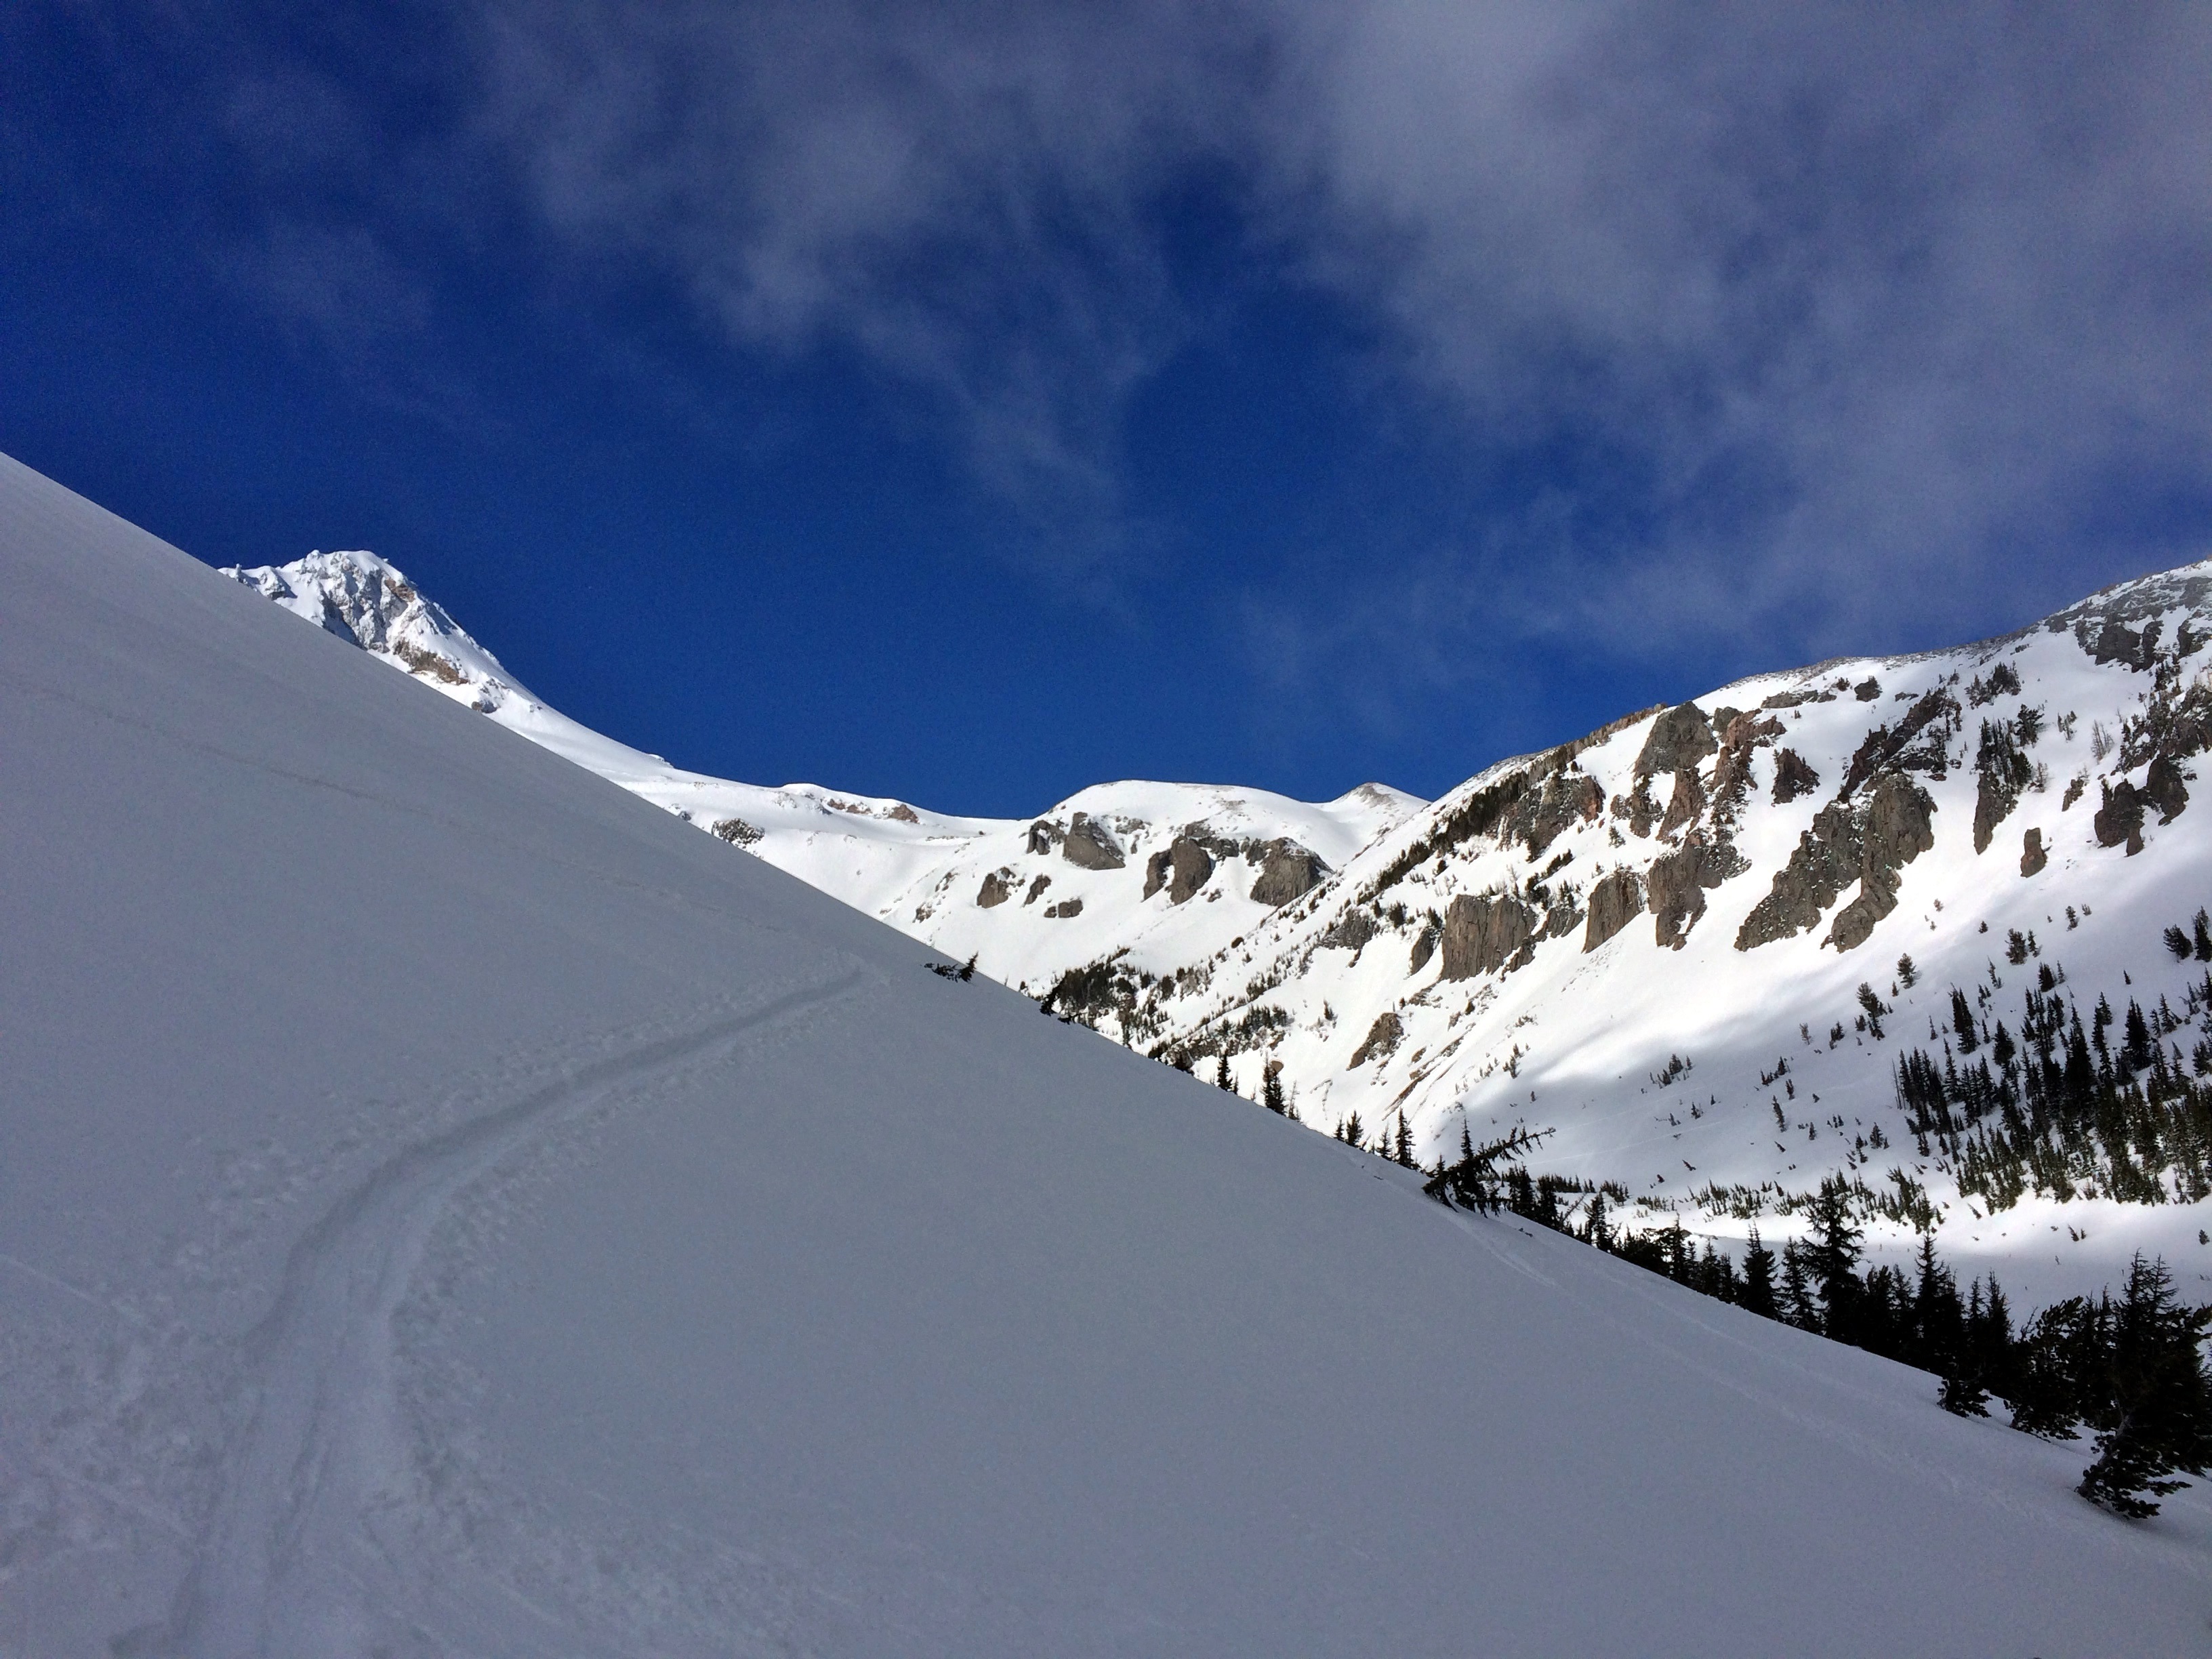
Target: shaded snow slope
<point>450,1207</point>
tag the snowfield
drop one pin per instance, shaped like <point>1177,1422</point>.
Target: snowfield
<point>448,1206</point>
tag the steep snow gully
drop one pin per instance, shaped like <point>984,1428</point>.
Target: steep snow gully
<point>450,1206</point>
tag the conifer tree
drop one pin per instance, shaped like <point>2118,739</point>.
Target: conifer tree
<point>1798,1307</point>
<point>2156,1416</point>
<point>1758,1294</point>
<point>1271,1090</point>
<point>1832,1259</point>
<point>1221,1071</point>
<point>1405,1147</point>
<point>1596,1230</point>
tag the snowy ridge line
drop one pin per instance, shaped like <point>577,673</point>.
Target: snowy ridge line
<point>320,1448</point>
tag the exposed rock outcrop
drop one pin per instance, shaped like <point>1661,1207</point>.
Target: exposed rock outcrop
<point>1182,868</point>
<point>1897,830</point>
<point>1675,891</point>
<point>1064,909</point>
<point>1043,836</point>
<point>1483,934</point>
<point>1425,945</point>
<point>1568,797</point>
<point>1353,930</point>
<point>1615,902</point>
<point>2114,641</point>
<point>1688,800</point>
<point>1287,870</point>
<point>1868,844</point>
<point>994,891</point>
<point>2032,857</point>
<point>1036,888</point>
<point>736,831</point>
<point>1919,743</point>
<point>1679,741</point>
<point>1382,1041</point>
<point>2164,789</point>
<point>2119,820</point>
<point>2004,772</point>
<point>1793,777</point>
<point>1091,845</point>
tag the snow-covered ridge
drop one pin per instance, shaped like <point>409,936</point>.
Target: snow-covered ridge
<point>1077,877</point>
<point>1649,941</point>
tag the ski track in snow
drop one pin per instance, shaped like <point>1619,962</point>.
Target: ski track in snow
<point>317,1475</point>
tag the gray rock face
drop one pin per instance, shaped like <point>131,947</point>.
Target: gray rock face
<point>1353,931</point>
<point>1036,888</point>
<point>1680,738</point>
<point>1568,798</point>
<point>1898,829</point>
<point>1887,830</point>
<point>1381,1042</point>
<point>2164,789</point>
<point>2033,858</point>
<point>1919,743</point>
<point>1616,900</point>
<point>1675,891</point>
<point>1793,777</point>
<point>1089,845</point>
<point>1184,868</point>
<point>1064,909</point>
<point>1689,800</point>
<point>2004,772</point>
<point>994,891</point>
<point>2114,641</point>
<point>1484,934</point>
<point>1287,870</point>
<point>2120,818</point>
<point>1043,836</point>
<point>1425,945</point>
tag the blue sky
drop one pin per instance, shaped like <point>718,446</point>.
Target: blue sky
<point>970,402</point>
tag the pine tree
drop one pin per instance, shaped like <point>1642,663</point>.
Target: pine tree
<point>2156,1417</point>
<point>1798,1307</point>
<point>1832,1258</point>
<point>1271,1090</point>
<point>1405,1148</point>
<point>1758,1294</point>
<point>1594,1230</point>
<point>1221,1071</point>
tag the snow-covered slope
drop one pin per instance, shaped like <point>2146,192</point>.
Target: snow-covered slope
<point>1593,941</point>
<point>1653,942</point>
<point>1031,898</point>
<point>450,1207</point>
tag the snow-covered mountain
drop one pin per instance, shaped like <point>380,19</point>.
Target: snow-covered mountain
<point>450,1207</point>
<point>1650,942</point>
<point>1032,898</point>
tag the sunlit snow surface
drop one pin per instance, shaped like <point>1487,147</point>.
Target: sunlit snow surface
<point>449,1207</point>
<point>1574,1041</point>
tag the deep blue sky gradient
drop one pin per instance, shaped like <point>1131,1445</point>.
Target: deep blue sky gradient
<point>1307,564</point>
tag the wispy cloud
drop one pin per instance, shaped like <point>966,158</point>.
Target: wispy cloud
<point>1863,301</point>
